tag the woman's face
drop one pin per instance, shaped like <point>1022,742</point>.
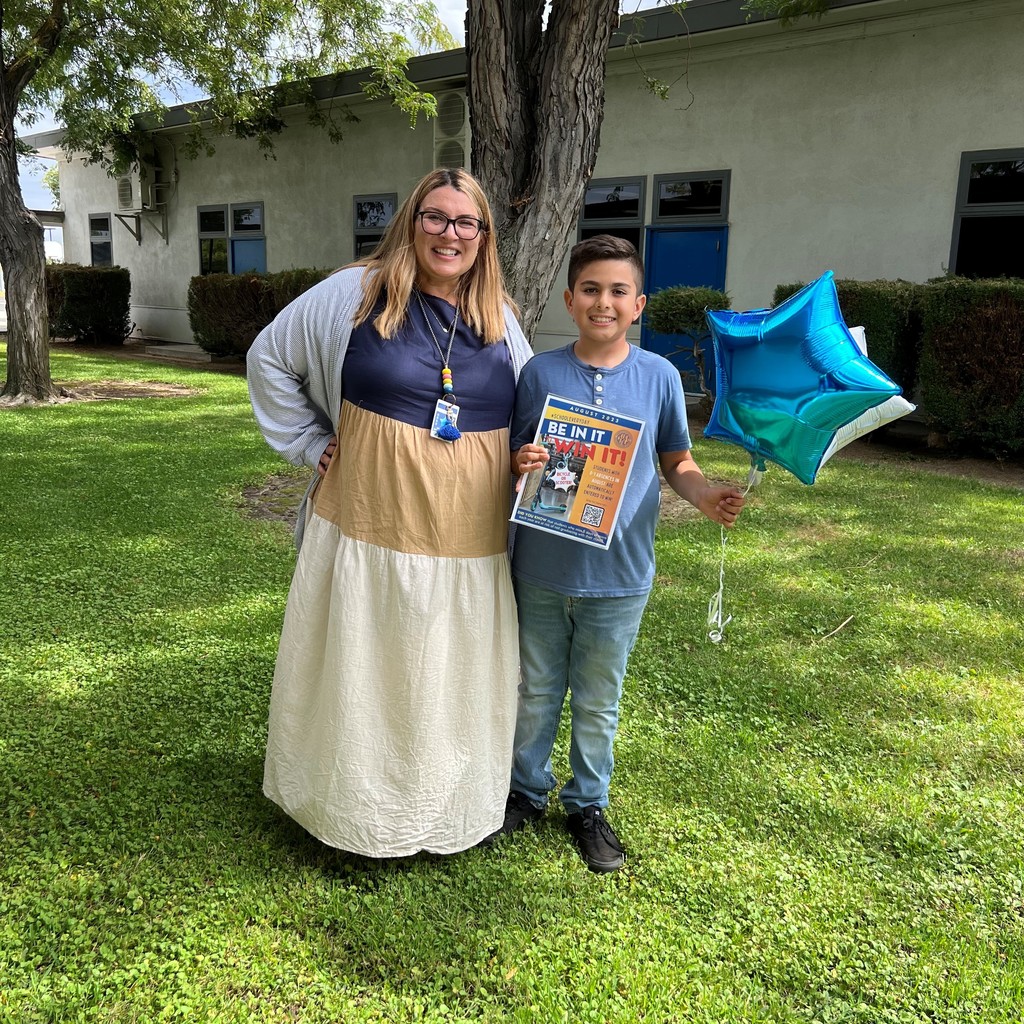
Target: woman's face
<point>442,259</point>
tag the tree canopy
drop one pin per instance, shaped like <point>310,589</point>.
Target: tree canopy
<point>98,66</point>
<point>101,66</point>
<point>536,92</point>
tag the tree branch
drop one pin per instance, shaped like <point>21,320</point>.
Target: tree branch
<point>40,48</point>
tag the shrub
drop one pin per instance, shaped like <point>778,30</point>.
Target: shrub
<point>680,310</point>
<point>288,285</point>
<point>972,363</point>
<point>889,312</point>
<point>90,305</point>
<point>227,311</point>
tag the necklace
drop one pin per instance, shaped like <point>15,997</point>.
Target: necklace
<point>440,322</point>
<point>447,410</point>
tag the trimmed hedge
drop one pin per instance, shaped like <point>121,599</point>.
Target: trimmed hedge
<point>680,310</point>
<point>89,305</point>
<point>890,313</point>
<point>227,311</point>
<point>972,362</point>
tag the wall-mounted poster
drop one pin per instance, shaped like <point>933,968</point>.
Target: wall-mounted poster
<point>370,216</point>
<point>578,491</point>
<point>374,211</point>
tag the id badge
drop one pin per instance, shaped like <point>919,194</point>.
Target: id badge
<point>446,418</point>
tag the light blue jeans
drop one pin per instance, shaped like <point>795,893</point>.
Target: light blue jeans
<point>578,645</point>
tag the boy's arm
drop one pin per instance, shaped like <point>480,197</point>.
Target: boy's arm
<point>721,504</point>
<point>526,456</point>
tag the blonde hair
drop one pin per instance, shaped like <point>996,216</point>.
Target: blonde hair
<point>481,293</point>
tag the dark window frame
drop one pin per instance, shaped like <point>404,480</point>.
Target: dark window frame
<point>615,225</point>
<point>721,217</point>
<point>247,234</point>
<point>261,232</point>
<point>362,236</point>
<point>205,236</point>
<point>230,233</point>
<point>109,218</point>
<point>966,210</point>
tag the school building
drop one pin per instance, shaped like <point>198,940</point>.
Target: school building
<point>884,140</point>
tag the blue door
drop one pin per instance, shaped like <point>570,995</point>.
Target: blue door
<point>248,255</point>
<point>693,256</point>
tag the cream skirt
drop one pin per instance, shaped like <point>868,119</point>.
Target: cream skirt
<point>393,706</point>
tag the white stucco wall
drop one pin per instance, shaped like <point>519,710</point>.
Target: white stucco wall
<point>843,137</point>
<point>306,191</point>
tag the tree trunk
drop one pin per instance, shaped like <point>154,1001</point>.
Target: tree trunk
<point>536,100</point>
<point>23,259</point>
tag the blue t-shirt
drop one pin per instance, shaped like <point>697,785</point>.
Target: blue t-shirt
<point>645,386</point>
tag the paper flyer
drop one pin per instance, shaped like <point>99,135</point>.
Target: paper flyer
<point>578,492</point>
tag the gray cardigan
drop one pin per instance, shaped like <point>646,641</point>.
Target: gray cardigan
<point>294,370</point>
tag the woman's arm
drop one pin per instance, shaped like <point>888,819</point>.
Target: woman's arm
<point>294,369</point>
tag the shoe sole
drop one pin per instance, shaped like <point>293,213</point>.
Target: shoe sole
<point>604,867</point>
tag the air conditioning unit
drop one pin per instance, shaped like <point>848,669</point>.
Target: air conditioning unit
<point>135,190</point>
<point>451,130</point>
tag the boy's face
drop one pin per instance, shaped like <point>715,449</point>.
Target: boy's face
<point>604,301</point>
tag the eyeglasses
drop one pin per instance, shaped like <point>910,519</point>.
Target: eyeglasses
<point>466,228</point>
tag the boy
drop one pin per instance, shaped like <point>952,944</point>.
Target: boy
<point>580,606</point>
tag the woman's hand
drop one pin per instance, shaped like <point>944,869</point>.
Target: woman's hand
<point>529,458</point>
<point>325,459</point>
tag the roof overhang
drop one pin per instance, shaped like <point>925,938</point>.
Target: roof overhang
<point>434,70</point>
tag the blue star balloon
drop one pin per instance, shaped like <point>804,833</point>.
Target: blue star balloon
<point>790,377</point>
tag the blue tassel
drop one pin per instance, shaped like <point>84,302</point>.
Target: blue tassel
<point>448,431</point>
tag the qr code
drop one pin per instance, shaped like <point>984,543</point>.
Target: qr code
<point>593,515</point>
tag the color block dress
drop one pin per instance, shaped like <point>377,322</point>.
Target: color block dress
<point>393,706</point>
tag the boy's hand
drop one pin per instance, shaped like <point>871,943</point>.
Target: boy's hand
<point>721,504</point>
<point>529,458</point>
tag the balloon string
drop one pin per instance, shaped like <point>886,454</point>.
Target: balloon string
<point>716,627</point>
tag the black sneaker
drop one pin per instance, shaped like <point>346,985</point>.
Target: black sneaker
<point>520,810</point>
<point>596,840</point>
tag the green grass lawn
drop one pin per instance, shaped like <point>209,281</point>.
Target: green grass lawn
<point>821,827</point>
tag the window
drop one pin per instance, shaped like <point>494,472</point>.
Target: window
<point>248,243</point>
<point>232,239</point>
<point>689,198</point>
<point>101,246</point>
<point>370,216</point>
<point>614,206</point>
<point>989,219</point>
<point>213,240</point>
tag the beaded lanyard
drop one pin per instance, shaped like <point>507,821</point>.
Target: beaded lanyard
<point>446,431</point>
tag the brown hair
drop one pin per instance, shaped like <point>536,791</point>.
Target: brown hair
<point>605,247</point>
<point>481,291</point>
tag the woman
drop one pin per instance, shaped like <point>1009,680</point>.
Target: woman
<point>393,706</point>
